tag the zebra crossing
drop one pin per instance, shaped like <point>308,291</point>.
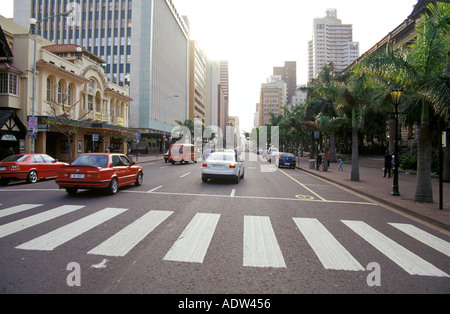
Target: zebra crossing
<point>261,247</point>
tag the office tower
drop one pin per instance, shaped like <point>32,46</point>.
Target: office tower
<point>223,104</point>
<point>145,41</point>
<point>272,99</point>
<point>288,74</point>
<point>197,83</point>
<point>331,41</point>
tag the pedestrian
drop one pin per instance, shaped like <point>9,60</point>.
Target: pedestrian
<point>387,164</point>
<point>10,152</point>
<point>340,164</point>
<point>319,159</point>
<point>328,158</point>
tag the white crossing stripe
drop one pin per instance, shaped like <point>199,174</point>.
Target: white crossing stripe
<point>261,248</point>
<point>330,252</point>
<point>17,209</point>
<point>53,239</point>
<point>409,261</point>
<point>193,243</point>
<point>424,237</point>
<point>31,221</point>
<point>126,239</point>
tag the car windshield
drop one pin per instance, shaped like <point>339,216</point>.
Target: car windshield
<point>91,160</point>
<point>177,149</point>
<point>221,157</point>
<point>15,158</point>
<point>287,155</point>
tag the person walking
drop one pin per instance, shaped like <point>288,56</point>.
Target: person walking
<point>340,164</point>
<point>387,164</point>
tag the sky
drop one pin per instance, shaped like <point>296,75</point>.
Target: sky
<point>257,35</point>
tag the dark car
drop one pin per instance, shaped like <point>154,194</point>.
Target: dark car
<point>107,171</point>
<point>29,167</point>
<point>285,160</point>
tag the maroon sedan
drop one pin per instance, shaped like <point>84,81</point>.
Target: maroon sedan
<point>30,167</point>
<point>99,171</point>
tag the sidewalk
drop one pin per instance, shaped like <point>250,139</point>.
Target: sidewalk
<point>373,185</point>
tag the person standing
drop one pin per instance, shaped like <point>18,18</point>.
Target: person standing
<point>387,164</point>
<point>340,164</point>
<point>10,152</point>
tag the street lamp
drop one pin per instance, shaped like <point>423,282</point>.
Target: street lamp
<point>396,95</point>
<point>33,121</point>
<point>164,103</point>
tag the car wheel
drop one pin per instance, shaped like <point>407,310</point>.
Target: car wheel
<point>236,180</point>
<point>4,181</point>
<point>32,177</point>
<point>113,187</point>
<point>204,179</point>
<point>71,191</point>
<point>139,179</point>
<point>242,176</point>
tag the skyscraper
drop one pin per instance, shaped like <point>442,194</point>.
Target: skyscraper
<point>288,74</point>
<point>145,41</point>
<point>331,41</point>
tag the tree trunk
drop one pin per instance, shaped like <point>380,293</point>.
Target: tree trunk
<point>446,174</point>
<point>355,167</point>
<point>332,147</point>
<point>424,189</point>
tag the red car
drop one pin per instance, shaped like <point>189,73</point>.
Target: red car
<point>30,167</point>
<point>99,170</point>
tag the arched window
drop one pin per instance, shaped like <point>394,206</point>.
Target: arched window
<point>69,95</point>
<point>49,89</point>
<point>60,93</point>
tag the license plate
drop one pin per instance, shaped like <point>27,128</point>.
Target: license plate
<point>219,166</point>
<point>2,168</point>
<point>77,176</point>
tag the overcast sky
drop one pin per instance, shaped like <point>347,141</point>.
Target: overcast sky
<point>256,35</point>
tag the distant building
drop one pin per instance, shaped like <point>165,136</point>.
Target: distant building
<point>288,74</point>
<point>272,99</point>
<point>332,42</point>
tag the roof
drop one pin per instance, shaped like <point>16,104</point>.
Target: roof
<point>54,66</point>
<point>73,49</point>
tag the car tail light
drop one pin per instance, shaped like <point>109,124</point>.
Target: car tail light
<point>233,166</point>
<point>205,165</point>
<point>15,167</point>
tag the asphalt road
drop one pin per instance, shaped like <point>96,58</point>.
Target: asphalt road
<point>279,231</point>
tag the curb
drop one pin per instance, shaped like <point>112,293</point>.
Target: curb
<point>428,219</point>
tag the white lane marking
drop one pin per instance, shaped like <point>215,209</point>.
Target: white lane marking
<point>261,248</point>
<point>193,243</point>
<point>185,175</point>
<point>17,209</point>
<point>126,239</point>
<point>404,258</point>
<point>424,237</point>
<point>53,239</point>
<point>154,189</point>
<point>232,192</point>
<point>295,180</point>
<point>31,221</point>
<point>330,252</point>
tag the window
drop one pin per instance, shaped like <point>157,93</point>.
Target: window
<point>8,83</point>
<point>59,93</point>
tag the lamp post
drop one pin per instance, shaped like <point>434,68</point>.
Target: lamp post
<point>396,95</point>
<point>33,23</point>
<point>164,103</point>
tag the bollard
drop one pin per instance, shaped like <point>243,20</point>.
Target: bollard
<point>312,163</point>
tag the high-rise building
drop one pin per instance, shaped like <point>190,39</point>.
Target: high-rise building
<point>272,99</point>
<point>223,105</point>
<point>145,41</point>
<point>197,83</point>
<point>331,41</point>
<point>289,75</point>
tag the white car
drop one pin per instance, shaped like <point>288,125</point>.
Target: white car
<point>223,165</point>
<point>273,153</point>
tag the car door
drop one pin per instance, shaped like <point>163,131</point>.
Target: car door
<point>131,172</point>
<point>120,169</point>
<point>50,165</point>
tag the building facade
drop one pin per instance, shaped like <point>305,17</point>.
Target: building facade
<point>77,109</point>
<point>332,42</point>
<point>143,43</point>
<point>197,83</point>
<point>288,74</point>
<point>272,100</point>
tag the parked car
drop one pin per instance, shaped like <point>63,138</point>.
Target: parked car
<point>182,153</point>
<point>285,160</point>
<point>107,171</point>
<point>272,154</point>
<point>29,167</point>
<point>223,165</point>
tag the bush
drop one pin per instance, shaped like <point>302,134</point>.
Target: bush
<point>408,161</point>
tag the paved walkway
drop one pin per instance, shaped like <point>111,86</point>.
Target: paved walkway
<point>372,184</point>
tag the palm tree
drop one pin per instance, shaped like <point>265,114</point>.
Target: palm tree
<point>422,70</point>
